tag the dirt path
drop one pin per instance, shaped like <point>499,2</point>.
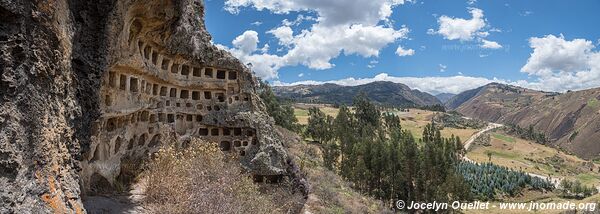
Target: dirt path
<point>130,203</point>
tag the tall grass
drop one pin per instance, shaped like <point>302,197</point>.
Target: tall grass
<point>201,179</point>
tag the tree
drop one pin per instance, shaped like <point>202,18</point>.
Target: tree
<point>319,125</point>
<point>283,114</point>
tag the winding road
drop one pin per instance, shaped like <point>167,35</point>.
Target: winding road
<point>554,181</point>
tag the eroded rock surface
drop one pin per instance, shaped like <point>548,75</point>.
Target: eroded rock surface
<point>88,88</point>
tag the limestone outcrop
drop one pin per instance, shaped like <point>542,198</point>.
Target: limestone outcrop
<point>88,86</point>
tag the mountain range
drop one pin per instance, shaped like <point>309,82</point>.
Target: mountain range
<point>381,92</point>
<point>569,120</point>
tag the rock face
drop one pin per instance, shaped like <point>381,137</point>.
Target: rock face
<point>88,86</point>
<point>570,120</point>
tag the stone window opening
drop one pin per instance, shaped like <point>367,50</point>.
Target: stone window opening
<point>203,132</point>
<point>237,98</point>
<point>142,140</point>
<point>168,103</point>
<point>185,70</point>
<point>189,118</point>
<point>199,106</point>
<point>209,108</point>
<point>207,95</point>
<point>180,117</point>
<point>242,153</point>
<point>173,92</point>
<point>155,89</point>
<point>198,118</point>
<point>175,68</point>
<point>123,82</point>
<point>230,100</point>
<point>250,133</point>
<point>147,52</point>
<point>226,131</point>
<point>145,115</point>
<point>133,84</point>
<point>237,143</point>
<point>111,124</point>
<point>237,131</point>
<point>161,117</point>
<point>170,118</point>
<point>220,97</point>
<point>232,75</point>
<point>165,64</point>
<point>254,141</point>
<point>197,72</point>
<point>118,142</point>
<point>225,146</point>
<point>163,91</point>
<point>188,105</point>
<point>195,95</point>
<point>185,94</point>
<point>208,72</point>
<point>217,108</point>
<point>245,143</point>
<point>107,100</point>
<point>154,57</point>
<point>112,79</point>
<point>214,132</point>
<point>178,104</point>
<point>246,98</point>
<point>153,118</point>
<point>221,74</point>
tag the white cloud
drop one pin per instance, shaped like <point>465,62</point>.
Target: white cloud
<point>466,29</point>
<point>245,46</point>
<point>247,42</point>
<point>443,68</point>
<point>301,75</point>
<point>284,34</point>
<point>433,85</point>
<point>490,44</point>
<point>459,28</point>
<point>256,23</point>
<point>471,2</point>
<point>561,65</point>
<point>404,52</point>
<point>340,27</point>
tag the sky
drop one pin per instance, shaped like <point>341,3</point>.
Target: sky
<point>435,46</point>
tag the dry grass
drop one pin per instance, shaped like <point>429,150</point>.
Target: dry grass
<point>201,179</point>
<point>329,192</point>
<point>531,157</point>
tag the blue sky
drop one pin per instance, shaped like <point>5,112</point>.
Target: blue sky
<point>447,46</point>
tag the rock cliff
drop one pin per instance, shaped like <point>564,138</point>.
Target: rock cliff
<point>88,86</point>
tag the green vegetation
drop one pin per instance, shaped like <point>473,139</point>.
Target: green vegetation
<point>378,157</point>
<point>282,113</point>
<point>593,102</point>
<point>527,134</point>
<point>488,180</point>
<point>574,189</point>
<point>504,138</point>
<point>458,121</point>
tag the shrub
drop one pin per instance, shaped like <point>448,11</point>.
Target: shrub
<point>201,179</point>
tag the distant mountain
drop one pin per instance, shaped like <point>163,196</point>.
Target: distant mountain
<point>384,93</point>
<point>570,121</point>
<point>443,97</point>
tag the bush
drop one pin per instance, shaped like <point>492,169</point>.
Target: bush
<point>201,179</point>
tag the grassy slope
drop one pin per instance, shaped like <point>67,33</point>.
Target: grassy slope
<point>329,193</point>
<point>535,158</point>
